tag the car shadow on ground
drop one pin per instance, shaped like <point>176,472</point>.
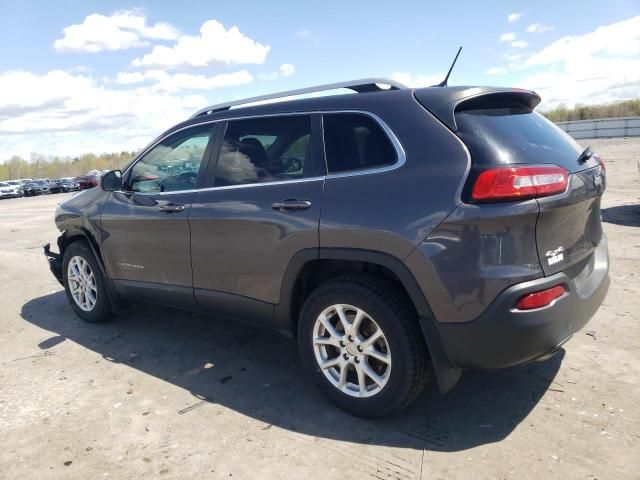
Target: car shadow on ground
<point>258,373</point>
<point>625,215</point>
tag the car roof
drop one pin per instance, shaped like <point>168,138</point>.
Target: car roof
<point>433,98</point>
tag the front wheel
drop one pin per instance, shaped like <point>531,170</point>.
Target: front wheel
<point>84,284</point>
<point>362,346</point>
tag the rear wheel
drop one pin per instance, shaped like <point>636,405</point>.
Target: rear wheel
<point>84,284</point>
<point>362,346</point>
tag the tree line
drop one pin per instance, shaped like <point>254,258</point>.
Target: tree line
<point>628,108</point>
<point>41,166</point>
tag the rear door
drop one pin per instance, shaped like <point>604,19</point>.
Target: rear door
<point>260,206</point>
<point>145,231</point>
<point>568,228</point>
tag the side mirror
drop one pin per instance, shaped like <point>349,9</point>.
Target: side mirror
<point>112,181</point>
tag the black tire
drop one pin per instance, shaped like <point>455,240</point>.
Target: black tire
<point>410,364</point>
<point>101,311</point>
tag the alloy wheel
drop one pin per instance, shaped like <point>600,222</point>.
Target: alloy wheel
<point>351,350</point>
<point>82,283</point>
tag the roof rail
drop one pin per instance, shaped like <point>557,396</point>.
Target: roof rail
<point>361,86</point>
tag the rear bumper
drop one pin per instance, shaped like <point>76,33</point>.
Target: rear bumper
<point>503,336</point>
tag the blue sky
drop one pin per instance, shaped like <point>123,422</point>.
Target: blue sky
<point>79,76</point>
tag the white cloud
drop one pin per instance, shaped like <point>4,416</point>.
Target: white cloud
<point>119,31</point>
<point>514,17</point>
<point>512,57</point>
<point>618,39</point>
<point>519,44</point>
<point>418,81</point>
<point>214,46</point>
<point>65,114</point>
<point>184,81</point>
<point>507,37</point>
<point>599,66</point>
<point>286,69</point>
<point>496,71</point>
<point>125,78</point>
<point>538,28</point>
<point>161,81</point>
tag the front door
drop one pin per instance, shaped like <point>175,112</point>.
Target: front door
<point>261,207</point>
<point>145,228</point>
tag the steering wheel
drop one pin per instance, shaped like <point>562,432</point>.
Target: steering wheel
<point>182,181</point>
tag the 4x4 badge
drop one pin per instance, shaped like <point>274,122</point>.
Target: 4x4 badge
<point>555,256</point>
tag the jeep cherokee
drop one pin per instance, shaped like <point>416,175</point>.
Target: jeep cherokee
<point>394,232</point>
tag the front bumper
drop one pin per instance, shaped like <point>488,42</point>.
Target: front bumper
<point>503,336</point>
<point>55,263</point>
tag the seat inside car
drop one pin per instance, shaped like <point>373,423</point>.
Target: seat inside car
<point>253,149</point>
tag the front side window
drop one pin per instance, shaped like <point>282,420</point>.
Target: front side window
<point>354,141</point>
<point>173,164</point>
<point>264,150</point>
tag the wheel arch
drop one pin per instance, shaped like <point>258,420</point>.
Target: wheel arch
<point>77,234</point>
<point>324,263</point>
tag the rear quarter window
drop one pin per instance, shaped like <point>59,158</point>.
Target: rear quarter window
<point>355,141</point>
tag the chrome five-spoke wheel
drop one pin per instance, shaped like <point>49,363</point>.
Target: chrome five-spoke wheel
<point>352,351</point>
<point>82,283</point>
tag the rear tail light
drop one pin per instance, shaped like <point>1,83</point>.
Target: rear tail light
<point>541,298</point>
<point>517,183</point>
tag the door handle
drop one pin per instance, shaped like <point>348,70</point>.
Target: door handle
<point>291,204</point>
<point>171,208</point>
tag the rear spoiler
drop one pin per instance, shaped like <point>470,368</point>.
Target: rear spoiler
<point>443,103</point>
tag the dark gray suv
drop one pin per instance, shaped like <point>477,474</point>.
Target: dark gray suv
<point>394,232</point>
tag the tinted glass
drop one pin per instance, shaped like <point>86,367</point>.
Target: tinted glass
<point>264,150</point>
<point>355,141</point>
<point>515,135</point>
<point>173,164</point>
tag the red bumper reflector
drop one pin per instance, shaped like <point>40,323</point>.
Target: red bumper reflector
<point>541,298</point>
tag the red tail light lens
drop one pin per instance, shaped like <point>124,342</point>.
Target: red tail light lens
<point>517,183</point>
<point>541,298</point>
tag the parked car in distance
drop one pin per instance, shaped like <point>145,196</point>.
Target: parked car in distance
<point>10,190</point>
<point>63,186</point>
<point>36,187</point>
<point>395,233</point>
<point>17,184</point>
<point>87,181</point>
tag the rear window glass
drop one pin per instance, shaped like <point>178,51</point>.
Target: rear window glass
<point>514,135</point>
<point>354,141</point>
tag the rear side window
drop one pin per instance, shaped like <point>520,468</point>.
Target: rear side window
<point>264,150</point>
<point>515,135</point>
<point>354,141</point>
